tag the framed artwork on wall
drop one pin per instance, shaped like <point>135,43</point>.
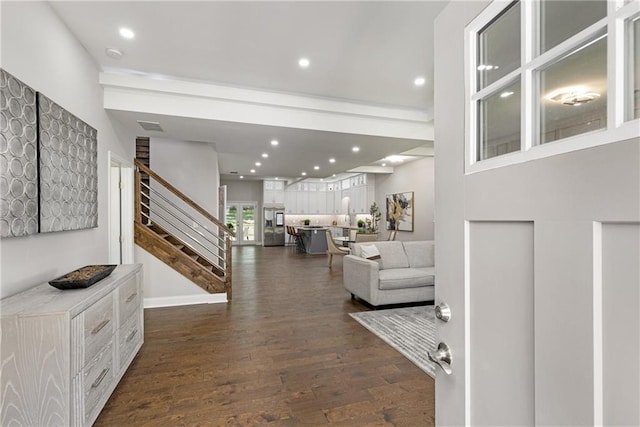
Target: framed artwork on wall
<point>18,158</point>
<point>68,169</point>
<point>400,211</point>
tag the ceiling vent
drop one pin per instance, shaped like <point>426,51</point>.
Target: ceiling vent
<point>152,126</point>
<point>233,172</point>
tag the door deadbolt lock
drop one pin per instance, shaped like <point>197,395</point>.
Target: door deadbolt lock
<point>443,312</point>
<point>442,357</point>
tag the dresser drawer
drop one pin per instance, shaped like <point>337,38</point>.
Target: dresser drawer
<point>128,298</point>
<point>98,375</point>
<point>98,326</point>
<point>130,336</point>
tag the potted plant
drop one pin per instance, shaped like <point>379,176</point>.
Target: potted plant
<point>307,221</point>
<point>361,224</point>
<point>230,226</point>
<point>372,224</point>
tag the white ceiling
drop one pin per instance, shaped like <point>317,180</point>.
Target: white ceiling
<point>364,52</point>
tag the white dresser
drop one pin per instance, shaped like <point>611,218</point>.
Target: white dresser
<point>63,352</point>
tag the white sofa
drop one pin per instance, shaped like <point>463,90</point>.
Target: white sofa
<point>404,272</point>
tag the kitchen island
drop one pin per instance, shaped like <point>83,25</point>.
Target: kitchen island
<point>315,239</point>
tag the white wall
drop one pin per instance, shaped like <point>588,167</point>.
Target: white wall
<point>416,176</point>
<point>50,60</point>
<point>244,191</point>
<point>195,173</point>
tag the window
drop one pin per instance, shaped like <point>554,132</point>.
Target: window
<point>499,47</point>
<point>546,77</point>
<point>573,95</point>
<point>562,19</point>
<point>500,122</point>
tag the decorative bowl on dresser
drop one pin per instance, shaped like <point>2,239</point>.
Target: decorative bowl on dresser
<point>64,352</point>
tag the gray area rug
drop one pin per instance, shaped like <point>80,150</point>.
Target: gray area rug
<point>409,330</point>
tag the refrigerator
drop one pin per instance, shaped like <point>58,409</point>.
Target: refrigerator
<point>273,226</point>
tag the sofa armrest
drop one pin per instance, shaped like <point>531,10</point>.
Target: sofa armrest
<point>361,277</point>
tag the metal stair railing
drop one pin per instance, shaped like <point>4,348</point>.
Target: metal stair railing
<point>160,203</point>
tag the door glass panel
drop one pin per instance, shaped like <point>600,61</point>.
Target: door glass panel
<point>635,80</point>
<point>563,19</point>
<point>573,93</point>
<point>499,47</point>
<point>499,123</point>
<point>230,219</point>
<point>248,223</point>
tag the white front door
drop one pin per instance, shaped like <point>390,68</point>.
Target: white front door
<point>539,262</point>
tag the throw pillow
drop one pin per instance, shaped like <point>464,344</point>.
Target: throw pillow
<point>369,252</point>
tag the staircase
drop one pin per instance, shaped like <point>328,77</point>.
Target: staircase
<point>181,233</point>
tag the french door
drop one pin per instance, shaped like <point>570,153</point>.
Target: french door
<point>242,218</point>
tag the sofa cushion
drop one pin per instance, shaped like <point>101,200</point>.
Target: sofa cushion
<point>431,271</point>
<point>400,278</point>
<point>420,254</point>
<point>369,252</point>
<point>392,255</point>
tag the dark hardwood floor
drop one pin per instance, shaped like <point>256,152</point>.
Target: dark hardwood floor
<point>284,352</point>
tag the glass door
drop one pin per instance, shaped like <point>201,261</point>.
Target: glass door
<point>241,218</point>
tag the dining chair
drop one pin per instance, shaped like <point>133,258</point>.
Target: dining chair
<point>333,249</point>
<point>366,237</point>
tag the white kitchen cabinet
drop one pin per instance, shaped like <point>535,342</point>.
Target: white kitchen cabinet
<point>273,193</point>
<point>64,352</point>
<point>291,201</point>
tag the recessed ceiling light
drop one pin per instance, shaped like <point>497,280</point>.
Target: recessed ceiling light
<point>333,175</point>
<point>252,171</point>
<point>274,142</point>
<point>241,176</point>
<point>127,33</point>
<point>258,164</point>
<point>332,160</point>
<point>321,179</point>
<point>303,174</point>
<point>265,155</point>
<point>384,164</point>
<point>114,53</point>
<point>419,81</point>
<point>316,167</point>
<point>355,149</point>
<point>303,62</point>
<point>276,178</point>
<point>506,94</point>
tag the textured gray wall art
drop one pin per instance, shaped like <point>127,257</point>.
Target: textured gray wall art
<point>18,158</point>
<point>68,170</point>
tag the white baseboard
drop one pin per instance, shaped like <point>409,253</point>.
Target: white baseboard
<point>184,300</point>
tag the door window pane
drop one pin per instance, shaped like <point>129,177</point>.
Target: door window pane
<point>499,47</point>
<point>562,19</point>
<point>230,219</point>
<point>573,93</point>
<point>499,123</point>
<point>248,223</point>
<point>635,80</point>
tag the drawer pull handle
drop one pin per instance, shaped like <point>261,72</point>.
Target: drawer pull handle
<point>100,326</point>
<point>131,335</point>
<point>131,297</point>
<point>99,380</point>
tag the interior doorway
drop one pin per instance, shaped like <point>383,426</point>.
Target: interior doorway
<point>242,217</point>
<point>120,196</point>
